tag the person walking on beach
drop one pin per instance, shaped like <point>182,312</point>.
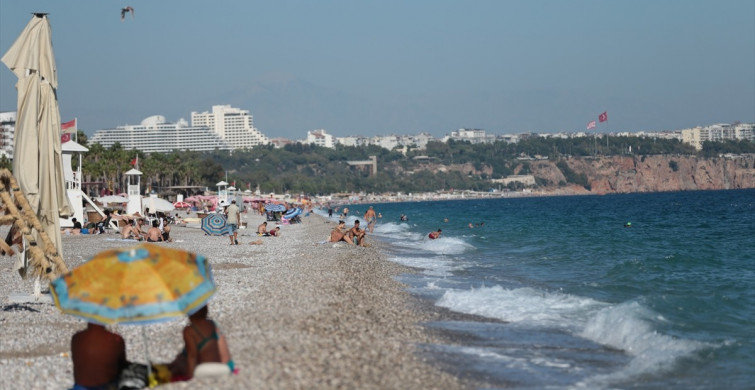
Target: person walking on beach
<point>232,215</point>
<point>371,218</point>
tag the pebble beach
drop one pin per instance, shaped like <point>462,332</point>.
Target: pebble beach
<point>298,313</point>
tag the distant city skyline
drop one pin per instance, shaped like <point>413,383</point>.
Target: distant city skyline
<point>374,68</point>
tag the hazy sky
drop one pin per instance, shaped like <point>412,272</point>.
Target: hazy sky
<point>403,66</point>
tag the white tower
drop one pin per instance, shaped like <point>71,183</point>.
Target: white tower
<point>134,187</point>
<point>73,182</point>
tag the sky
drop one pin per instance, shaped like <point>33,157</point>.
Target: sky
<point>400,66</point>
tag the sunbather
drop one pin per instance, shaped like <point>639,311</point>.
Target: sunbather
<point>339,233</point>
<point>206,349</point>
<point>98,357</point>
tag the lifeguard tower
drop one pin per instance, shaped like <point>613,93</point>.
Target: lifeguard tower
<point>222,192</point>
<point>134,177</point>
<point>73,182</point>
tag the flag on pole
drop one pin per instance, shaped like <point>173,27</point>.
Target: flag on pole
<point>603,117</point>
<point>65,137</point>
<point>69,127</point>
<point>591,125</point>
<point>135,162</point>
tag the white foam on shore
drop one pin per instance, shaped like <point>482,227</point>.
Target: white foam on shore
<point>627,326</point>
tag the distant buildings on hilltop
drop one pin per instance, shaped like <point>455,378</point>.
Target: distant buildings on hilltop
<point>228,128</point>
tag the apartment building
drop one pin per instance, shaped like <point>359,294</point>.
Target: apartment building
<point>233,125</point>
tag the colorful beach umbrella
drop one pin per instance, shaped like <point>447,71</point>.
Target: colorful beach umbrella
<point>214,225</point>
<point>141,284</point>
<point>275,207</point>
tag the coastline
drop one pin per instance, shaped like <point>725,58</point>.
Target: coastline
<point>297,315</point>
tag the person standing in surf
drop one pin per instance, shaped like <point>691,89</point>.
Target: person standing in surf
<point>371,218</point>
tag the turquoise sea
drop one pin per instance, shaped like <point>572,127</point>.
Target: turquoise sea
<point>568,297</point>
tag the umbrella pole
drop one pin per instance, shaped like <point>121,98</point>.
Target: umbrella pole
<point>146,351</point>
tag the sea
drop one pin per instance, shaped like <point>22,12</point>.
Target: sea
<point>624,291</point>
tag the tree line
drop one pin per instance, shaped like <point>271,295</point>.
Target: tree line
<point>310,169</point>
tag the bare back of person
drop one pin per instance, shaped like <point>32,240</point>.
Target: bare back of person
<point>154,235</point>
<point>203,344</point>
<point>98,356</point>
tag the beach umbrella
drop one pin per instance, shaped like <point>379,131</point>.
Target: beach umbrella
<point>181,205</point>
<point>214,225</point>
<point>136,285</point>
<point>275,207</point>
<point>159,204</point>
<point>37,157</point>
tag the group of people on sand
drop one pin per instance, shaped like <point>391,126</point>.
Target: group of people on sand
<point>354,236</point>
<point>263,232</point>
<point>134,231</point>
<point>99,355</point>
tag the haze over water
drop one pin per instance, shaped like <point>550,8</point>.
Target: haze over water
<point>582,300</point>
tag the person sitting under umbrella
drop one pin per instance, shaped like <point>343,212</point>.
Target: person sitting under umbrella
<point>206,350</point>
<point>98,357</point>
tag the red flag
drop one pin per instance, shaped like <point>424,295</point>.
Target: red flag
<point>133,162</point>
<point>603,117</point>
<point>65,138</point>
<point>591,125</point>
<point>68,127</point>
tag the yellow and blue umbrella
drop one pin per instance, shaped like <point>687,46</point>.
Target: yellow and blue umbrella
<point>214,225</point>
<point>141,284</point>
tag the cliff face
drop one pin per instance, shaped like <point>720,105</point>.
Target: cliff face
<point>623,174</point>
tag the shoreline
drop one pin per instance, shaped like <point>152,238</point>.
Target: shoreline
<point>296,314</point>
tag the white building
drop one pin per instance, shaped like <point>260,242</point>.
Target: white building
<point>717,133</point>
<point>353,140</point>
<point>155,135</point>
<point>7,132</point>
<point>233,125</point>
<point>320,138</point>
<point>475,136</point>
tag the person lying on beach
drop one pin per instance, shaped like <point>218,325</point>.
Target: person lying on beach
<point>262,229</point>
<point>98,357</point>
<point>205,350</point>
<point>434,235</point>
<point>339,233</point>
<point>356,235</point>
<point>154,234</point>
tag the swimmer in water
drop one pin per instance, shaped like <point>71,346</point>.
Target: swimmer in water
<point>434,235</point>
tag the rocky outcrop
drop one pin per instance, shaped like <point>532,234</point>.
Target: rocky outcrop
<point>623,174</point>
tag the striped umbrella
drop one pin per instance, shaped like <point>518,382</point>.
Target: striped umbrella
<point>214,225</point>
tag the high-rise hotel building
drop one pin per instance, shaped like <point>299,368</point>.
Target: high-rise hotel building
<point>224,128</point>
<point>233,125</point>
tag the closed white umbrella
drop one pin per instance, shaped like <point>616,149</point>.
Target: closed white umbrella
<point>37,157</point>
<point>159,204</point>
